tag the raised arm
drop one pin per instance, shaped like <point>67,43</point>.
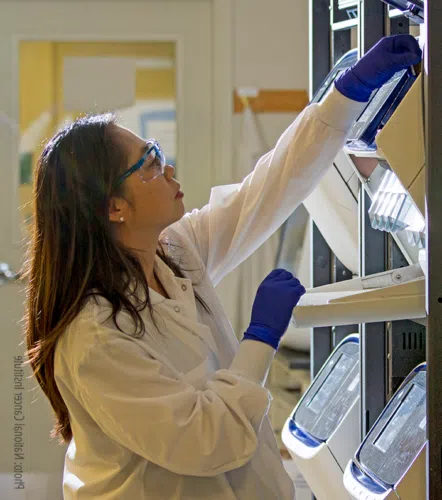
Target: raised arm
<point>240,217</point>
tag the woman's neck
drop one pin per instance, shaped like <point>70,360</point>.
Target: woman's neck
<point>145,247</point>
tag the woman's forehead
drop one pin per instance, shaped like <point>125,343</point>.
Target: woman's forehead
<point>132,143</point>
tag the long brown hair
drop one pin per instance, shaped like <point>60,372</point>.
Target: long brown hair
<point>73,253</point>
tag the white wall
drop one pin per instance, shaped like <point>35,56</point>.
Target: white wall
<point>271,52</point>
<point>271,43</point>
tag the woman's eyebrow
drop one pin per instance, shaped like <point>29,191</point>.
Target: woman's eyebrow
<point>148,146</point>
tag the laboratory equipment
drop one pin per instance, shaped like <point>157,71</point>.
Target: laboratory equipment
<point>413,9</point>
<point>389,164</point>
<point>391,295</point>
<point>391,175</point>
<point>391,170</point>
<point>333,204</point>
<point>379,110</point>
<point>323,431</point>
<point>390,462</point>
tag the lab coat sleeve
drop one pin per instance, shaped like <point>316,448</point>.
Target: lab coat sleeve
<point>240,217</point>
<point>138,403</point>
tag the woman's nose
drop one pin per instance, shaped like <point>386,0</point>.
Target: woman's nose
<point>169,171</point>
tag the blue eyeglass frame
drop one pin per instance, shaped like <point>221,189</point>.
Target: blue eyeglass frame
<point>158,154</point>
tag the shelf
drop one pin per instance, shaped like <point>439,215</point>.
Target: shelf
<point>376,154</point>
<point>393,13</point>
<point>347,4</point>
<point>390,296</point>
<point>344,25</point>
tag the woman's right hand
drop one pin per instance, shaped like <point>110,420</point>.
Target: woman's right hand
<point>390,55</point>
<point>272,309</point>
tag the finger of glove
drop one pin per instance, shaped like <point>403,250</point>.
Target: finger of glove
<point>275,282</point>
<point>278,275</point>
<point>271,278</point>
<point>283,276</point>
<point>299,290</point>
<point>405,59</point>
<point>392,45</point>
<point>296,297</point>
<point>275,272</point>
<point>294,282</point>
<point>405,43</point>
<point>395,43</point>
<point>287,285</point>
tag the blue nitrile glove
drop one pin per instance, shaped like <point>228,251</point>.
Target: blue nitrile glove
<point>272,309</point>
<point>378,65</point>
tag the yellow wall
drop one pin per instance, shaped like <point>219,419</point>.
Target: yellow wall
<point>41,73</point>
<point>37,95</point>
<point>36,80</point>
<point>150,83</point>
<point>155,84</point>
<point>41,81</point>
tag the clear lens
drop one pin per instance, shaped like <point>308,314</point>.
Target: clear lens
<point>154,163</point>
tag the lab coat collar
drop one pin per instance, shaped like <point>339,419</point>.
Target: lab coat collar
<point>178,289</point>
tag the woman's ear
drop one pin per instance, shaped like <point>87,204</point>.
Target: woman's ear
<point>117,207</point>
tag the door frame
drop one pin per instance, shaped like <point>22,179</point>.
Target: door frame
<point>219,171</point>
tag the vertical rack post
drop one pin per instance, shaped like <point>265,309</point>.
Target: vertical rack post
<point>319,54</point>
<point>373,339</point>
<point>330,38</point>
<point>433,128</point>
<point>373,252</point>
<point>319,42</point>
<point>341,24</point>
<point>381,372</point>
<point>321,344</point>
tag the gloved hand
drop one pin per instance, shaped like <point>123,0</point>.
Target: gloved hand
<point>378,65</point>
<point>272,309</point>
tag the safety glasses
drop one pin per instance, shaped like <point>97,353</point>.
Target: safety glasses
<point>150,166</point>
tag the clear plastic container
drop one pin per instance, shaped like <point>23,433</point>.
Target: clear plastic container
<point>393,210</point>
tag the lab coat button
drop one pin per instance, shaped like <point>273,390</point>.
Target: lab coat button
<point>177,309</point>
<point>184,287</point>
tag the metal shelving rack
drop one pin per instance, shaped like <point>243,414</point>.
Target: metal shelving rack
<point>386,356</point>
<point>433,129</point>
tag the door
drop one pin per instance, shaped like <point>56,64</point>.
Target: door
<point>30,465</point>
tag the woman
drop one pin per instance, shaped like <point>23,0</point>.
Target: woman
<point>125,333</point>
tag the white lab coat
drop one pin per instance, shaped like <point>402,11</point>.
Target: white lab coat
<point>182,414</point>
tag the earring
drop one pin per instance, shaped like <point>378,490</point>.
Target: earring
<point>121,219</point>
